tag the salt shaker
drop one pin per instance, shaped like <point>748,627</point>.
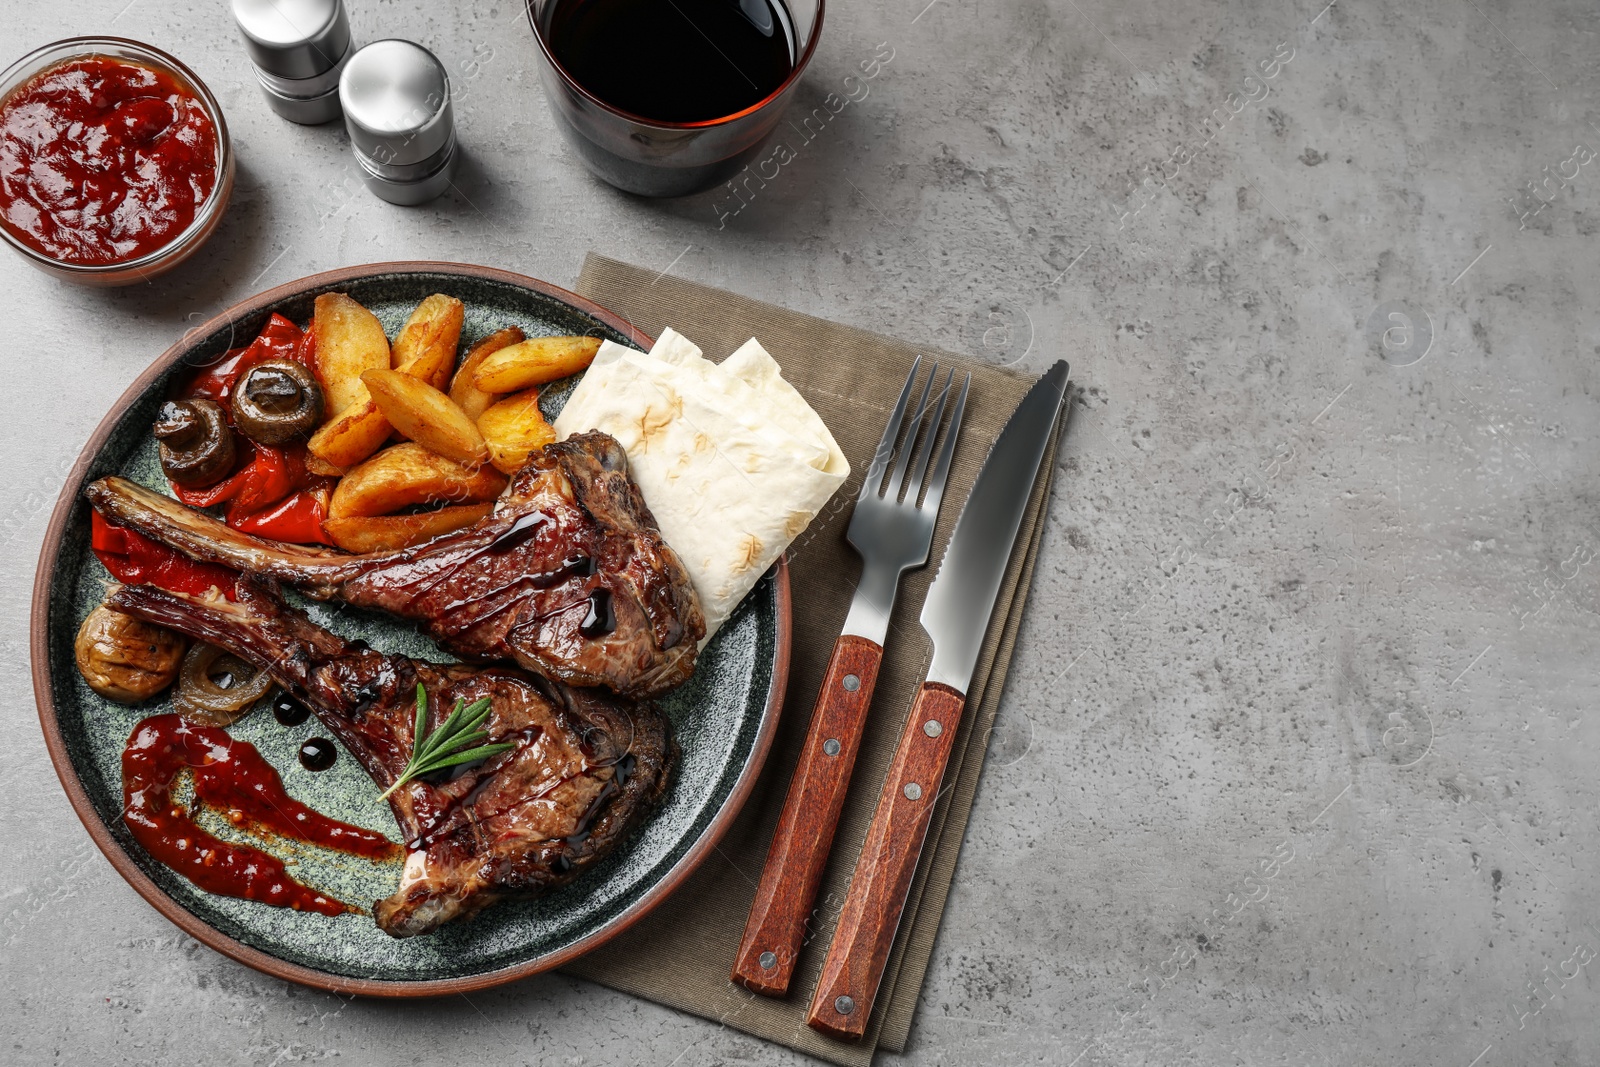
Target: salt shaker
<point>396,99</point>
<point>299,49</point>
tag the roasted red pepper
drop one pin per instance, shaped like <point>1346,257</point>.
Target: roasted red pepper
<point>267,476</point>
<point>271,475</point>
<point>135,559</point>
<point>307,352</point>
<point>280,339</point>
<point>264,475</point>
<point>297,518</point>
<point>270,493</point>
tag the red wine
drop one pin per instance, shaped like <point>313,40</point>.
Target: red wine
<point>674,60</point>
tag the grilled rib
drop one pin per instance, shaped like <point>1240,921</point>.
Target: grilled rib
<point>570,537</point>
<point>586,769</point>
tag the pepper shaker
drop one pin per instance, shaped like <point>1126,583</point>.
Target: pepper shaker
<point>396,98</point>
<point>299,49</point>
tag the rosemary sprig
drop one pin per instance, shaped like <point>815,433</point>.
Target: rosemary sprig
<point>457,740</point>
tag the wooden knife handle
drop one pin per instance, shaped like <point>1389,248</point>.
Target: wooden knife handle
<point>779,915</point>
<point>888,860</point>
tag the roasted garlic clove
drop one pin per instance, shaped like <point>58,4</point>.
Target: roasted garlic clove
<point>126,659</point>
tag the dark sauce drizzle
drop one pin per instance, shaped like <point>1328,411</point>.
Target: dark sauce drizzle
<point>601,619</point>
<point>366,696</point>
<point>576,565</point>
<point>619,778</point>
<point>562,862</point>
<point>526,527</point>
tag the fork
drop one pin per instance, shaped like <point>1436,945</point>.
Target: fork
<point>892,536</point>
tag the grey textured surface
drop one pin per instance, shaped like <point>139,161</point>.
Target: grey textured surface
<point>1302,595</point>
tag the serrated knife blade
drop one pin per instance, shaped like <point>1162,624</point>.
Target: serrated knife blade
<point>956,611</point>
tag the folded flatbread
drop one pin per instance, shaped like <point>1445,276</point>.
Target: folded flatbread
<point>731,459</point>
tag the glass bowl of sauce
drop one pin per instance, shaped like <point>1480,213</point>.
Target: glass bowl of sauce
<point>115,163</point>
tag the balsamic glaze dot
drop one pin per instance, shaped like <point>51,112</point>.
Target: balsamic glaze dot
<point>289,711</point>
<point>318,754</point>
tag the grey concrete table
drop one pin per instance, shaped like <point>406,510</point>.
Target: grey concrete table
<point>1296,764</point>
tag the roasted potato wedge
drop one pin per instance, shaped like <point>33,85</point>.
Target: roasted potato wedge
<point>388,533</point>
<point>425,349</point>
<point>407,475</point>
<point>426,346</point>
<point>347,439</point>
<point>514,428</point>
<point>350,342</point>
<point>427,416</point>
<point>315,464</point>
<point>534,362</point>
<point>468,396</point>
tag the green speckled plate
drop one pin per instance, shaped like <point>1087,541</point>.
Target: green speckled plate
<point>724,716</point>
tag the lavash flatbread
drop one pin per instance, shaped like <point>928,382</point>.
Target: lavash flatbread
<point>731,459</point>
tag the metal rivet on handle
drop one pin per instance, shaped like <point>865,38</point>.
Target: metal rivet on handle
<point>831,746</point>
<point>913,791</point>
<point>768,961</point>
<point>844,1005</point>
<point>851,683</point>
<point>932,728</point>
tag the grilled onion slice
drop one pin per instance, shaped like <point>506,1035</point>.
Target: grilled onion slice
<point>216,688</point>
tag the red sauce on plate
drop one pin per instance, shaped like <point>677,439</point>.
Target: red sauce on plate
<point>103,160</point>
<point>231,776</point>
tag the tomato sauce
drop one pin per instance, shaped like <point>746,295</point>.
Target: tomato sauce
<point>103,160</point>
<point>232,777</point>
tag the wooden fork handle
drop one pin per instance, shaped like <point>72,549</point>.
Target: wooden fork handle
<point>779,916</point>
<point>872,908</point>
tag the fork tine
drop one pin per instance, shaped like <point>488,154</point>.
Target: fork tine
<point>925,452</point>
<point>904,459</point>
<point>880,459</point>
<point>941,470</point>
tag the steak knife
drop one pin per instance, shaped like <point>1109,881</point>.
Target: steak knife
<point>892,536</point>
<point>956,616</point>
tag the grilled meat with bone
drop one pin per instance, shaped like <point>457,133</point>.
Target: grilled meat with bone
<point>585,770</point>
<point>569,576</point>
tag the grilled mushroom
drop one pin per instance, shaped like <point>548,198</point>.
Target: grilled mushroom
<point>126,659</point>
<point>275,401</point>
<point>196,444</point>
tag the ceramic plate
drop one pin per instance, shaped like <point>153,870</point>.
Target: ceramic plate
<point>724,716</point>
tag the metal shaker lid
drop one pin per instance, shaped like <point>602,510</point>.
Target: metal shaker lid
<point>294,39</point>
<point>396,99</point>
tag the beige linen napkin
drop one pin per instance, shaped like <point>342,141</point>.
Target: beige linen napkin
<point>681,953</point>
